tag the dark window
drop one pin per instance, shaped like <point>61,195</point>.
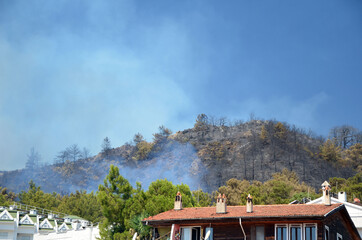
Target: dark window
<point>196,233</point>
<point>326,233</point>
<point>339,236</point>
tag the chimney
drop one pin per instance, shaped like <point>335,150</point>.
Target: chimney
<point>342,196</point>
<point>221,204</point>
<point>178,202</point>
<point>326,193</point>
<point>249,204</point>
<point>33,212</point>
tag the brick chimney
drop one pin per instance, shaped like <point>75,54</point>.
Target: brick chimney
<point>326,193</point>
<point>178,202</point>
<point>249,204</point>
<point>221,204</point>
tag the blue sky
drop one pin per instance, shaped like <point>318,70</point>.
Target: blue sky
<point>78,71</point>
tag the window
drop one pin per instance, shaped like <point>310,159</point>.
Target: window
<point>281,232</point>
<point>4,235</point>
<point>339,236</point>
<point>259,232</point>
<point>25,220</point>
<point>310,231</point>
<point>307,231</point>
<point>185,234</point>
<point>195,233</point>
<point>24,237</point>
<point>5,216</point>
<point>45,225</point>
<point>326,233</point>
<point>295,232</point>
<point>63,229</point>
<point>190,233</point>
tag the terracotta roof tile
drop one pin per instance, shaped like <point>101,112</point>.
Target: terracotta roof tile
<point>295,210</point>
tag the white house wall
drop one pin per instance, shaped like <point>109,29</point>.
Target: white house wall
<point>26,230</point>
<point>85,234</point>
<point>7,226</point>
<point>10,234</point>
<point>25,236</point>
<point>10,228</point>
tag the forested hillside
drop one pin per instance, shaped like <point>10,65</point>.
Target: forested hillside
<point>205,156</point>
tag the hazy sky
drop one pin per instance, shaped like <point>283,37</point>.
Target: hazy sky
<point>78,71</point>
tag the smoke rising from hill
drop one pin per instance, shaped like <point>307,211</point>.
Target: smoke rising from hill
<point>177,163</point>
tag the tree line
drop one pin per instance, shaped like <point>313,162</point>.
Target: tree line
<point>268,142</point>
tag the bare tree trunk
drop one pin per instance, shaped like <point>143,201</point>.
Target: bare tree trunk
<point>253,173</point>
<point>245,165</point>
<point>275,160</point>
<point>261,160</point>
<point>303,170</point>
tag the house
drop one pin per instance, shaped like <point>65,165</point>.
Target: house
<point>27,225</point>
<point>16,225</point>
<point>272,222</point>
<point>354,210</point>
<point>7,223</point>
<point>19,223</point>
<point>70,227</point>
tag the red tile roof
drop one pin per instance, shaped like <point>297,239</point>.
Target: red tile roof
<point>295,210</point>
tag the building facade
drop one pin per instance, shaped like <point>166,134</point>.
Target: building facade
<point>19,224</point>
<point>270,222</point>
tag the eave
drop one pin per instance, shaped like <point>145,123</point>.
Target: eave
<point>264,219</point>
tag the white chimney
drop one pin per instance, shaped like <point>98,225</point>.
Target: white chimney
<point>221,204</point>
<point>326,188</point>
<point>249,204</point>
<point>342,196</point>
<point>84,223</point>
<point>76,225</point>
<point>178,202</point>
<point>33,212</point>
